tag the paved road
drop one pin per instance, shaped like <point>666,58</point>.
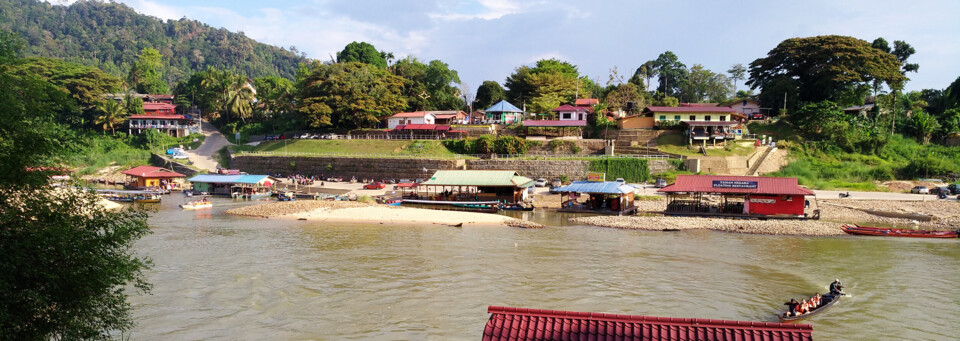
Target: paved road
<point>202,157</point>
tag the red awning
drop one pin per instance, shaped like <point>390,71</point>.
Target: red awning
<point>407,185</point>
<point>519,324</point>
<point>736,185</point>
<point>152,172</point>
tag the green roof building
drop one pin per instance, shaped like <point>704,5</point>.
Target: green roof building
<point>479,185</point>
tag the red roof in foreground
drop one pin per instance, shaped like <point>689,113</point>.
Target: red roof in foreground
<point>438,127</point>
<point>152,172</point>
<point>736,185</point>
<point>518,324</point>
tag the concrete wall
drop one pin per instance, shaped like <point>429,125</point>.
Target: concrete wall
<point>399,168</point>
<point>414,168</point>
<point>162,161</point>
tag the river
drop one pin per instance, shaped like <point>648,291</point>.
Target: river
<point>219,277</point>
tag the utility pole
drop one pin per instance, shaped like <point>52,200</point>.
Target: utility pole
<point>784,101</point>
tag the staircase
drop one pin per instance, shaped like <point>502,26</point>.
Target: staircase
<point>756,164</point>
<point>637,142</point>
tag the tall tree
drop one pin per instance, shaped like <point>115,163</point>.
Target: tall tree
<point>672,73</point>
<point>548,84</point>
<point>703,85</point>
<point>645,72</point>
<point>619,97</point>
<point>348,95</point>
<point>363,52</point>
<point>274,95</point>
<point>823,67</point>
<point>737,72</point>
<point>489,93</point>
<point>112,114</point>
<point>146,75</point>
<point>924,126</point>
<point>429,86</point>
<point>240,99</point>
<point>67,262</point>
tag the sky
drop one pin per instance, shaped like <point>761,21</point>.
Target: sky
<point>488,39</point>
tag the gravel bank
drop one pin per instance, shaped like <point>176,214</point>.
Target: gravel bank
<point>662,223</point>
<point>946,213</point>
<point>362,212</point>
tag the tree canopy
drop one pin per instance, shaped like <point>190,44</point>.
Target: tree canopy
<point>349,95</point>
<point>362,52</point>
<point>488,94</point>
<point>547,85</point>
<point>429,86</point>
<point>824,67</point>
<point>146,75</point>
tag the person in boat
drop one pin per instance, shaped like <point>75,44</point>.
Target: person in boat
<point>836,287</point>
<point>793,307</point>
<point>815,300</point>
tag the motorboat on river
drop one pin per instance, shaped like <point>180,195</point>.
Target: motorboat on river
<point>197,204</point>
<point>891,232</point>
<point>826,301</point>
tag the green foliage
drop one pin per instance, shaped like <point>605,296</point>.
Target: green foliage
<point>823,67</point>
<point>429,86</point>
<point>349,95</point>
<point>703,85</point>
<point>274,97</point>
<point>484,145</point>
<point>111,35</point>
<point>362,52</point>
<point>667,101</point>
<point>93,152</point>
<point>112,115</point>
<point>547,85</point>
<point>85,85</point>
<point>923,125</point>
<point>564,178</point>
<point>631,170</point>
<point>67,262</point>
<point>488,94</point>
<point>146,75</point>
<point>511,145</point>
<point>487,144</point>
<point>618,97</point>
<point>672,73</point>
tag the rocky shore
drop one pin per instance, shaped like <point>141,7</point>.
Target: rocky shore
<point>351,211</point>
<point>666,223</point>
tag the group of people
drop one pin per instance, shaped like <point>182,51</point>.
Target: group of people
<point>805,306</point>
<point>302,179</point>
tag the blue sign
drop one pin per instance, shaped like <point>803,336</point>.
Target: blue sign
<point>734,184</point>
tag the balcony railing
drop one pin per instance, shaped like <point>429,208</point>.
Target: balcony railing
<point>160,126</point>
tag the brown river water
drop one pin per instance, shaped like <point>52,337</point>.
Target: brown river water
<point>219,277</point>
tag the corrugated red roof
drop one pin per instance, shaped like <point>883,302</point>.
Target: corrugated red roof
<point>586,101</point>
<point>160,117</point>
<point>567,107</point>
<point>152,172</point>
<point>158,106</point>
<point>518,324</point>
<point>411,114</point>
<point>699,104</point>
<point>554,123</point>
<point>691,109</point>
<point>439,127</point>
<point>764,185</point>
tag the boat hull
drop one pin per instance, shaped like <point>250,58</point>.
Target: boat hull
<point>827,304</point>
<point>890,232</point>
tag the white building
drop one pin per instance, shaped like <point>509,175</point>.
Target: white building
<point>417,117</point>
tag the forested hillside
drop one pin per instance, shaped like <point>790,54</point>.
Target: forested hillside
<point>110,36</point>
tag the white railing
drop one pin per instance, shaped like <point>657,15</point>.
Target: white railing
<point>160,126</point>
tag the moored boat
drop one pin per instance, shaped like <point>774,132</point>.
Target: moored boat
<point>147,199</point>
<point>196,205</point>
<point>286,196</point>
<point>825,302</point>
<point>891,232</point>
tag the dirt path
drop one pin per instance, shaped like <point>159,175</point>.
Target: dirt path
<point>202,157</point>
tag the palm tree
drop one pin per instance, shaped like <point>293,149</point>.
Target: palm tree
<point>113,115</point>
<point>240,99</point>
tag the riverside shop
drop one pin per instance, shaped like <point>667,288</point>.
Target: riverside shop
<point>738,196</point>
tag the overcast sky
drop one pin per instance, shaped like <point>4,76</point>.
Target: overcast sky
<point>487,39</point>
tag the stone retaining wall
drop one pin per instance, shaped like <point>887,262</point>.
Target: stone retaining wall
<point>403,168</point>
<point>163,161</point>
<point>534,169</point>
<point>398,168</point>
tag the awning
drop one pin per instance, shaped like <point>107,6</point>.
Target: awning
<point>597,187</point>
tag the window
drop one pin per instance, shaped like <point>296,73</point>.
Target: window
<point>676,118</point>
<point>566,116</point>
<point>786,198</point>
<point>693,117</point>
<point>663,117</point>
<point>706,118</point>
<point>723,118</point>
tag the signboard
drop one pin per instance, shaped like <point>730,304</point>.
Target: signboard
<point>763,201</point>
<point>596,176</point>
<point>734,184</point>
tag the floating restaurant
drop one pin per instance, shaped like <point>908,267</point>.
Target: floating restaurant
<point>242,186</point>
<point>520,324</point>
<point>150,177</point>
<point>737,196</point>
<point>503,186</point>
<point>606,197</point>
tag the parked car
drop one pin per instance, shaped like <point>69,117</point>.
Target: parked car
<point>404,181</point>
<point>920,190</point>
<point>954,188</point>
<point>374,185</point>
<point>389,181</point>
<point>556,183</point>
<point>419,181</point>
<point>661,183</point>
<point>938,190</point>
<point>173,151</point>
<point>541,182</point>
<point>180,156</point>
<point>620,180</point>
<point>757,117</point>
<point>332,136</point>
<point>303,136</point>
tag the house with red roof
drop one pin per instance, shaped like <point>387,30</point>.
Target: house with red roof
<point>159,108</point>
<point>736,196</point>
<point>416,117</point>
<point>521,324</point>
<point>174,125</point>
<point>700,122</point>
<point>151,177</point>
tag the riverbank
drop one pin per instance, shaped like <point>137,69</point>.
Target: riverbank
<point>351,211</point>
<point>752,226</point>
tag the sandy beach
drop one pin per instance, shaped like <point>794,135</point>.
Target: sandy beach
<point>349,211</point>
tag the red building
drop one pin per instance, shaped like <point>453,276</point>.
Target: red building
<point>520,324</point>
<point>738,196</point>
<point>157,108</point>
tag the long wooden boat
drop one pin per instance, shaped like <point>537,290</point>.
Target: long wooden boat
<point>439,202</point>
<point>890,232</point>
<point>825,302</point>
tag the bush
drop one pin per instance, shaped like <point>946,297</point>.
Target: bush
<point>631,170</point>
<point>927,166</point>
<point>510,145</point>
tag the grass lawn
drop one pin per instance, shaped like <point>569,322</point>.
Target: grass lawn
<point>404,147</point>
<point>675,143</point>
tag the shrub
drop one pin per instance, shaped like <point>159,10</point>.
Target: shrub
<point>510,145</point>
<point>631,170</point>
